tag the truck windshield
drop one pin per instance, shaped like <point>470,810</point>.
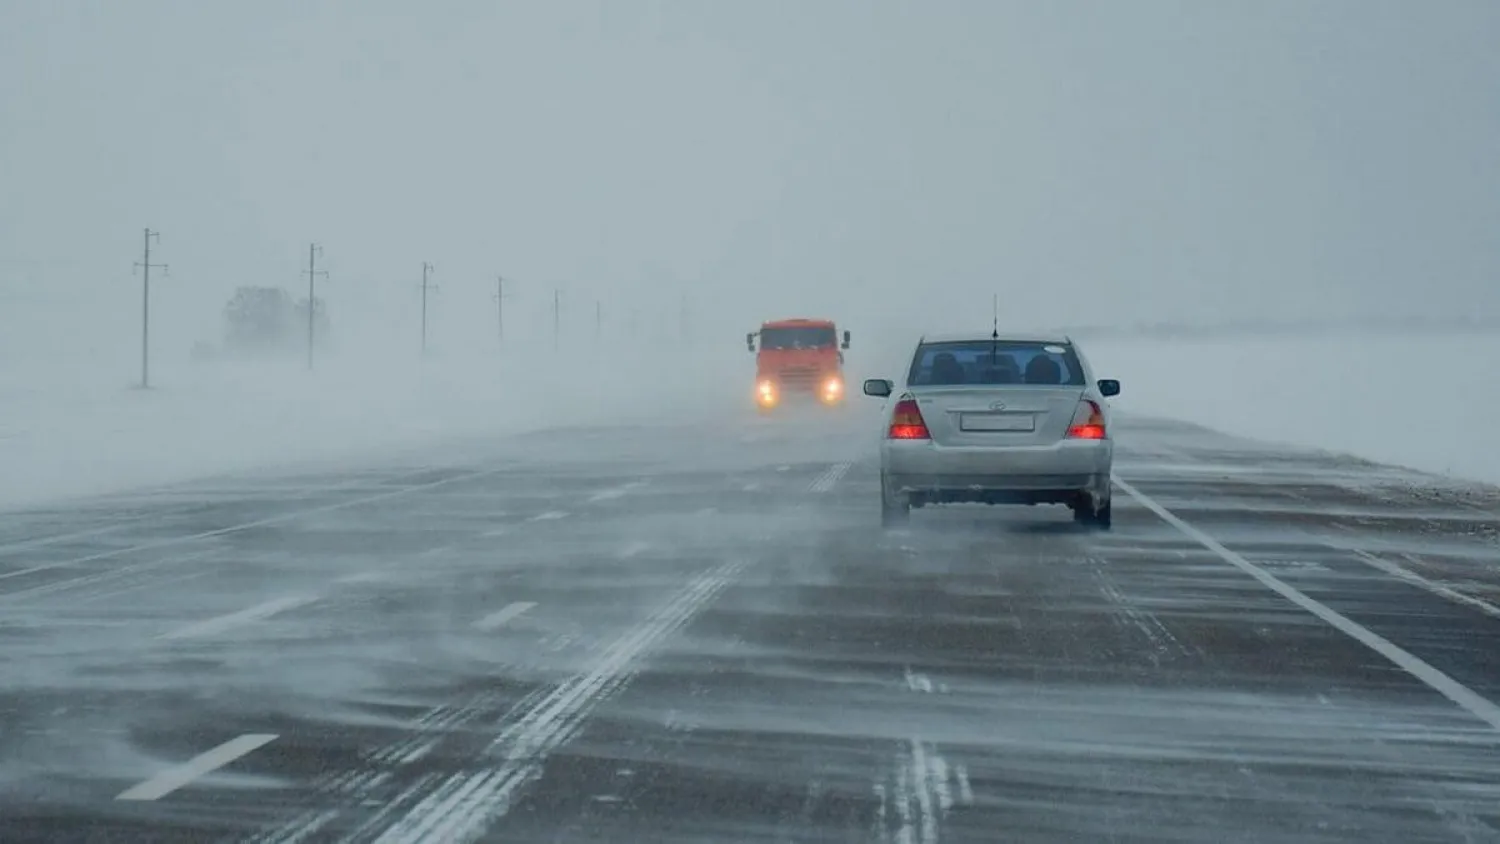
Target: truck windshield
<point>815,337</point>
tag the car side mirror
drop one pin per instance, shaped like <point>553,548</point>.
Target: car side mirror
<point>878,387</point>
<point>1109,387</point>
<point>750,341</point>
<point>846,340</point>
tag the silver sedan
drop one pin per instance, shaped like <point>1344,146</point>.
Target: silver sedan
<point>997,420</point>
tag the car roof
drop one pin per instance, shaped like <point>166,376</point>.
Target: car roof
<point>797,322</point>
<point>1017,337</point>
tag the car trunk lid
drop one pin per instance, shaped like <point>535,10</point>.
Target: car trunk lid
<point>998,416</point>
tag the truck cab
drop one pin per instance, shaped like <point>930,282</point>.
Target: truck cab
<point>798,360</point>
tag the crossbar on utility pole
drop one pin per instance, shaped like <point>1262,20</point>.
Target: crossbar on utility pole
<point>313,250</point>
<point>146,266</point>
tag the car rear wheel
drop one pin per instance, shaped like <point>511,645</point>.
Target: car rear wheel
<point>1103,517</point>
<point>895,509</point>
<point>1087,511</point>
<point>894,515</point>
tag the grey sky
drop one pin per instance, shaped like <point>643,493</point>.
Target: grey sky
<point>1085,160</point>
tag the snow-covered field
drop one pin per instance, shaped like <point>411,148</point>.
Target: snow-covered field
<point>1421,402</point>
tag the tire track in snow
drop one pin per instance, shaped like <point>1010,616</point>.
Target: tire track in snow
<point>1163,644</point>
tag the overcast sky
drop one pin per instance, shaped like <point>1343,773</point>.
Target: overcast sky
<point>864,159</point>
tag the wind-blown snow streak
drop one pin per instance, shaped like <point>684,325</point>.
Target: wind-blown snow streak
<point>462,806</point>
<point>186,539</point>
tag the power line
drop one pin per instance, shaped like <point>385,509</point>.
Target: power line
<point>146,266</point>
<point>313,250</point>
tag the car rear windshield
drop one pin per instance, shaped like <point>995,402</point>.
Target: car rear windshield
<point>985,362</point>
<point>811,337</point>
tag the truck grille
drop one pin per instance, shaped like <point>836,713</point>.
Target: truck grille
<point>800,377</point>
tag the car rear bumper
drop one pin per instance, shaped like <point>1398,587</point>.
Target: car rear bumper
<point>1057,473</point>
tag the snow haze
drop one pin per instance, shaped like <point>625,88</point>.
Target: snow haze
<point>675,172</point>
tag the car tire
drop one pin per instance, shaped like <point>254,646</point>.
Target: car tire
<point>894,515</point>
<point>1103,516</point>
<point>895,509</point>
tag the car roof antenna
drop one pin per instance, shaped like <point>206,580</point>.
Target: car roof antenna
<point>995,328</point>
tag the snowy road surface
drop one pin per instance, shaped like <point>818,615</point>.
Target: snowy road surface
<point>701,634</point>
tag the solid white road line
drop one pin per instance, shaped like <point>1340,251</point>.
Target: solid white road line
<point>219,624</point>
<point>1432,586</point>
<point>1450,688</point>
<point>550,515</point>
<point>503,615</point>
<point>172,779</point>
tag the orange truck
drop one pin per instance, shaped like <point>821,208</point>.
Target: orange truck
<point>798,359</point>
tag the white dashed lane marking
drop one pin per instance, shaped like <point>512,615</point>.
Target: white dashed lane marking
<point>508,613</point>
<point>616,492</point>
<point>172,779</point>
<point>634,549</point>
<point>219,624</point>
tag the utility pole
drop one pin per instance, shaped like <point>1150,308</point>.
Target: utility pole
<point>426,269</point>
<point>500,307</point>
<point>313,251</point>
<point>146,265</point>
<point>598,319</point>
<point>556,318</point>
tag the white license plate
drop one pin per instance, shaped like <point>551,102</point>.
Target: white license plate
<point>997,422</point>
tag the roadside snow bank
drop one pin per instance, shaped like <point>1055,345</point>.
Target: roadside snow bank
<point>82,429</point>
<point>1423,402</point>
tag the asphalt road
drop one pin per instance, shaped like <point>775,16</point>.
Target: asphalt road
<point>700,633</point>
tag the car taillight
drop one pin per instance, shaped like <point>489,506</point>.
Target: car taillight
<point>907,422</point>
<point>1088,422</point>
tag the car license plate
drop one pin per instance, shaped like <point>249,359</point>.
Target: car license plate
<point>997,422</point>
